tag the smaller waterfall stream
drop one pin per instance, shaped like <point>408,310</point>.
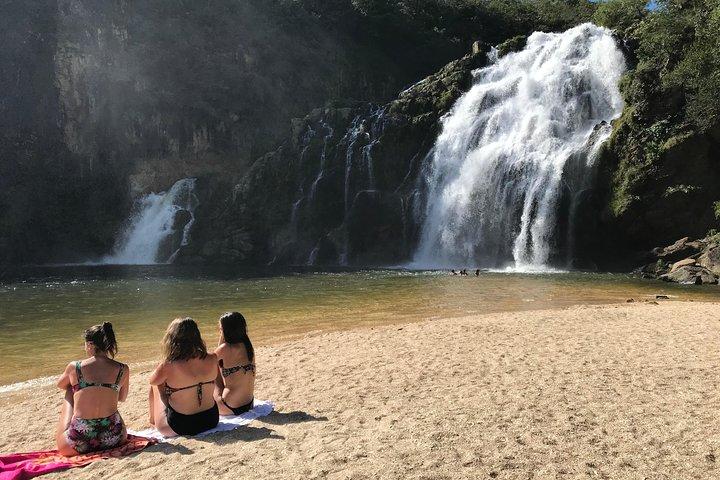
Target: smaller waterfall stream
<point>160,225</point>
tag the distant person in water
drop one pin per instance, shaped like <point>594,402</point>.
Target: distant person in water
<point>477,272</point>
<point>181,392</point>
<point>89,420</point>
<point>453,272</point>
<point>236,358</point>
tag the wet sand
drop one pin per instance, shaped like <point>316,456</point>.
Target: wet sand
<point>620,391</point>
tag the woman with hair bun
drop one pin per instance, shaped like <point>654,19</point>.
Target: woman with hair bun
<point>90,420</point>
<point>236,358</point>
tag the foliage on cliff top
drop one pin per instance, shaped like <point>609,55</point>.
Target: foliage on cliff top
<point>678,58</point>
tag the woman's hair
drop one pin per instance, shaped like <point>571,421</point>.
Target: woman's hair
<point>182,341</point>
<point>103,338</point>
<point>234,330</point>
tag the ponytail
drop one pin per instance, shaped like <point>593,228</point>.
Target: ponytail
<point>103,337</point>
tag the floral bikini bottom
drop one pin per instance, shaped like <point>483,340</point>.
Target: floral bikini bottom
<point>89,435</point>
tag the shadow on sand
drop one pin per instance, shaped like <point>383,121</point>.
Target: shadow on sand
<point>245,433</point>
<point>286,418</point>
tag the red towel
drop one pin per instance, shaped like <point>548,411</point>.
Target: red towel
<point>21,466</point>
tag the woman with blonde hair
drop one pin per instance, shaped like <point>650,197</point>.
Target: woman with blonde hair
<point>90,420</point>
<point>188,407</point>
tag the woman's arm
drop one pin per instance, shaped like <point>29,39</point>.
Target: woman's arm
<point>125,387</point>
<point>64,381</point>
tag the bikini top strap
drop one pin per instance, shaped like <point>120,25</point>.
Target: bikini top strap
<point>119,375</point>
<point>78,371</point>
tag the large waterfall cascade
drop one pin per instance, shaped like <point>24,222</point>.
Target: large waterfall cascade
<point>156,230</point>
<point>521,138</point>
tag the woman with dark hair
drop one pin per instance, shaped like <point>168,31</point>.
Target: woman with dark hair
<point>189,407</point>
<point>236,358</point>
<point>90,420</point>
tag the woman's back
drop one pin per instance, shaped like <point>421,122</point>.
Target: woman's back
<point>98,385</point>
<point>190,383</point>
<point>238,372</point>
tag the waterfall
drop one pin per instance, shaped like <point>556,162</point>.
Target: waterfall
<point>323,158</point>
<point>521,140</point>
<point>160,225</point>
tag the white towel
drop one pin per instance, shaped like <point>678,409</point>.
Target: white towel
<point>229,422</point>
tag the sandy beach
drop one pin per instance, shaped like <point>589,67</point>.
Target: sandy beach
<point>621,391</point>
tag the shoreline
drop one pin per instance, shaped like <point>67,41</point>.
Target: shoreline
<point>48,380</point>
<point>621,390</point>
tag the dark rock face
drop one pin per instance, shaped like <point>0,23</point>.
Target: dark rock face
<point>106,101</point>
<point>340,190</point>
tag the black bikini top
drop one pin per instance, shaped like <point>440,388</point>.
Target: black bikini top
<point>226,372</point>
<point>82,383</point>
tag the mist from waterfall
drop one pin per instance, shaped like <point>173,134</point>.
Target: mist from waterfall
<point>519,141</point>
<point>154,225</point>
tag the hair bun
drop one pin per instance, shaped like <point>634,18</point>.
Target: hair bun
<point>107,326</point>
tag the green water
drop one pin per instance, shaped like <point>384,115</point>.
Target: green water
<point>43,314</point>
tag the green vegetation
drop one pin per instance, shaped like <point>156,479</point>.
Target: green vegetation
<point>663,151</point>
<point>620,15</point>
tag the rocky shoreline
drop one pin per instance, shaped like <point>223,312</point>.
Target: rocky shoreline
<point>689,262</point>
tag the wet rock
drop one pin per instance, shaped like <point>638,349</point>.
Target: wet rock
<point>375,228</point>
<point>172,242</point>
<point>691,275</point>
<point>514,44</point>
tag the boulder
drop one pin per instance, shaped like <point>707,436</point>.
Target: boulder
<point>710,259</point>
<point>691,275</point>
<point>682,263</point>
<point>679,250</point>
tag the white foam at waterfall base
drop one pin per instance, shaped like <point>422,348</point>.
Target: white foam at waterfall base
<point>494,178</point>
<point>152,223</point>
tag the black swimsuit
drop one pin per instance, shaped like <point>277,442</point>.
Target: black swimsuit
<point>195,423</point>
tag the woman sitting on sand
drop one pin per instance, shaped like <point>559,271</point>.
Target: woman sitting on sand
<point>90,420</point>
<point>236,357</point>
<point>187,407</point>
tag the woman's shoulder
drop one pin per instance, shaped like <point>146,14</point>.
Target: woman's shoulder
<point>122,366</point>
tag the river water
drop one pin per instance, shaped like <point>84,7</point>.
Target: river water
<point>43,311</point>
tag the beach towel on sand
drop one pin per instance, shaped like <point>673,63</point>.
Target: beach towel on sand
<point>229,422</point>
<point>21,466</point>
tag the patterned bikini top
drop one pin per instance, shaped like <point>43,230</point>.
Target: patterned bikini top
<point>226,372</point>
<point>82,383</point>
